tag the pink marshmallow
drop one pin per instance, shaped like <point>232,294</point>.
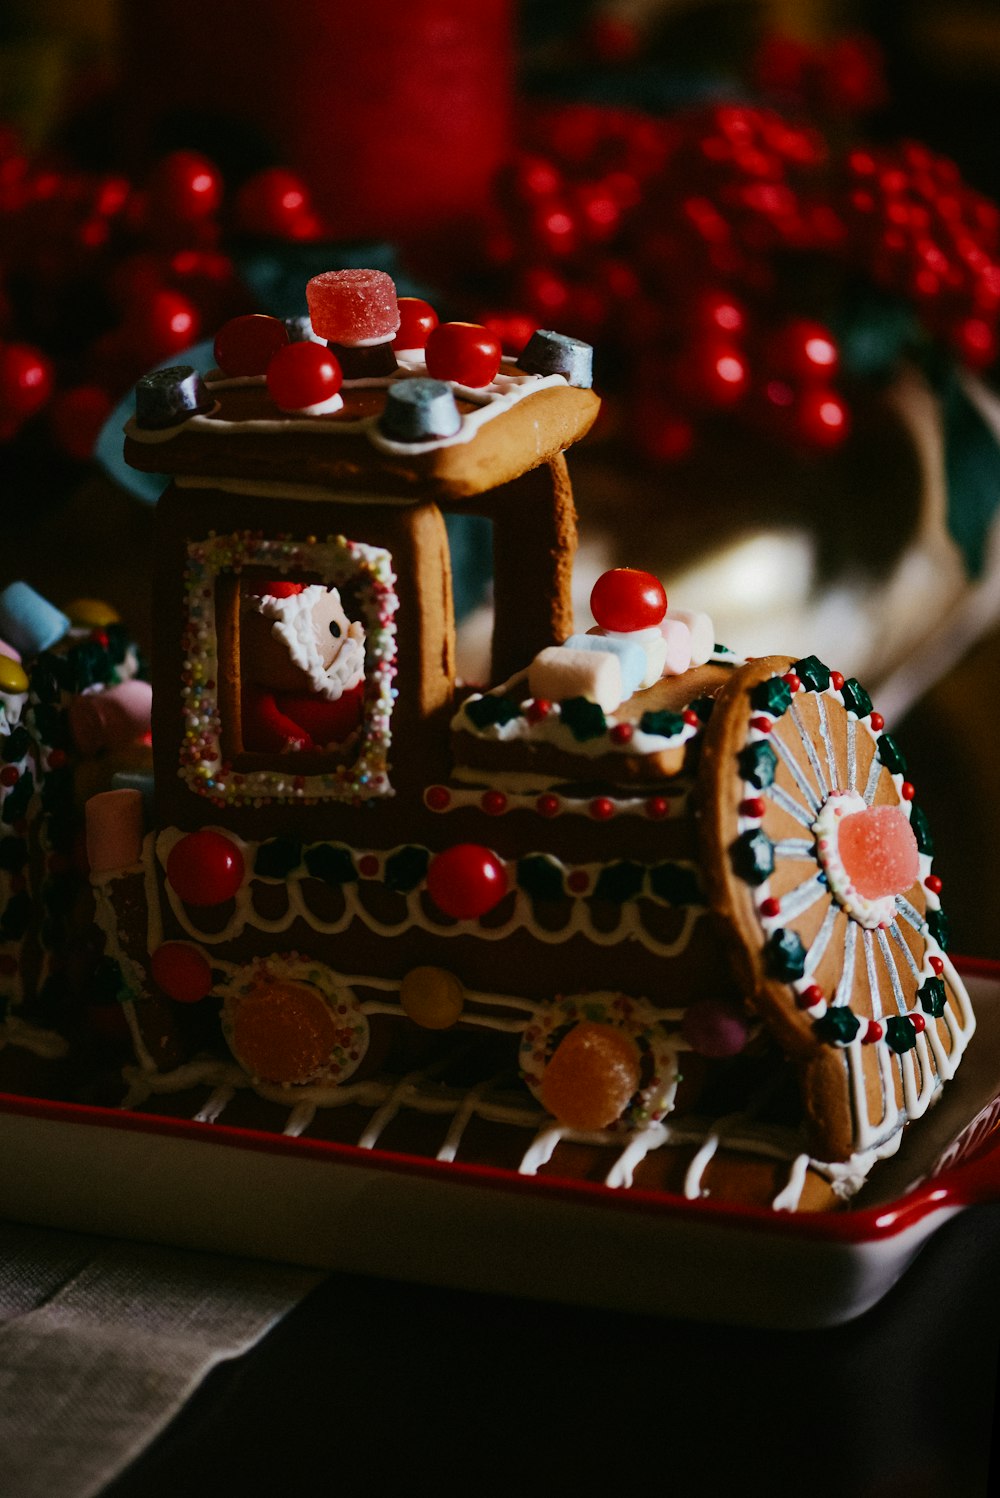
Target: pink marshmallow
<point>111,719</point>
<point>8,650</point>
<point>114,830</point>
<point>677,639</point>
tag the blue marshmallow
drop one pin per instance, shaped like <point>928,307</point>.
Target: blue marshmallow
<point>29,621</point>
<point>631,657</point>
<point>549,353</point>
<point>419,410</point>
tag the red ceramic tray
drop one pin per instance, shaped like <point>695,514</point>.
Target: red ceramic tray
<point>307,1201</point>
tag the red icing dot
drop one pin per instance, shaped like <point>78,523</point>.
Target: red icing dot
<point>792,681</point>
<point>347,306</point>
<point>547,805</point>
<point>657,807</point>
<point>836,680</point>
<point>810,996</point>
<point>622,733</point>
<point>753,807</point>
<point>303,374</point>
<point>626,598</point>
<point>933,883</point>
<point>690,717</point>
<point>602,808</point>
<point>438,798</point>
<point>872,1033</point>
<point>493,803</point>
<point>879,851</point>
<point>368,866</point>
<point>246,345</point>
<point>538,710</point>
<point>9,775</point>
<point>770,907</point>
<point>907,790</point>
<point>579,881</point>
<point>182,972</point>
<point>466,881</point>
<point>762,725</point>
<point>919,1021</point>
<point>877,721</point>
<point>205,868</point>
<point>464,352</point>
<point>937,963</point>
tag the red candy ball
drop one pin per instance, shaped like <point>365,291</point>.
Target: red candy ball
<point>181,971</point>
<point>626,598</point>
<point>205,868</point>
<point>302,375</point>
<point>464,352</point>
<point>417,320</point>
<point>466,881</point>
<point>246,345</point>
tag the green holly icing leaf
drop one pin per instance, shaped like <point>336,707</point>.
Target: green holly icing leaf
<point>330,862</point>
<point>486,711</point>
<point>773,696</point>
<point>758,764</point>
<point>540,877</point>
<point>900,1035</point>
<point>812,673</point>
<point>785,956</point>
<point>838,1025</point>
<point>703,707</point>
<point>276,859</point>
<point>856,699</point>
<point>675,884</point>
<point>584,719</point>
<point>940,928</point>
<point>665,725</point>
<point>933,997</point>
<point>406,868</point>
<point>753,856</point>
<point>891,755</point>
<point>619,882</point>
<point>922,831</point>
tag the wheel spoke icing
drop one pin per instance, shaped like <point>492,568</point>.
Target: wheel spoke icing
<point>788,804</point>
<point>810,748</point>
<point>796,771</point>
<point>900,941</point>
<point>821,940</point>
<point>795,847</point>
<point>872,975</point>
<point>824,731</point>
<point>846,983</point>
<point>910,914</point>
<point>874,773</point>
<point>897,987</point>
<point>852,753</point>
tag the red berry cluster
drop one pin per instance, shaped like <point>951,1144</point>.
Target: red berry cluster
<point>101,277</point>
<point>706,254</point>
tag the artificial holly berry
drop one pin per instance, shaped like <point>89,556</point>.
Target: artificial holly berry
<point>245,345</point>
<point>26,380</point>
<point>274,203</point>
<point>164,324</point>
<point>626,599</point>
<point>464,352</point>
<point>417,320</point>
<point>184,188</point>
<point>466,881</point>
<point>77,416</point>
<point>802,350</point>
<point>205,868</point>
<point>301,375</point>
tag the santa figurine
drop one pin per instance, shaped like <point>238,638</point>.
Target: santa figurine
<point>303,669</point>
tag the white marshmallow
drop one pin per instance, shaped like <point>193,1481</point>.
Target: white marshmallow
<point>702,632</point>
<point>651,641</point>
<point>557,674</point>
<point>676,639</point>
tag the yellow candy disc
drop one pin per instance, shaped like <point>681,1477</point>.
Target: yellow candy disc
<point>432,997</point>
<point>12,677</point>
<point>91,613</point>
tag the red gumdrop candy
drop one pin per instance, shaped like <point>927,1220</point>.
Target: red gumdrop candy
<point>879,851</point>
<point>466,881</point>
<point>593,1073</point>
<point>626,598</point>
<point>302,375</point>
<point>205,868</point>
<point>351,306</point>
<point>181,971</point>
<point>246,345</point>
<point>417,320</point>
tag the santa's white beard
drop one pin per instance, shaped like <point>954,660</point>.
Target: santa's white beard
<point>346,670</point>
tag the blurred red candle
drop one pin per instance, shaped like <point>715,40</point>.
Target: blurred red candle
<point>396,114</point>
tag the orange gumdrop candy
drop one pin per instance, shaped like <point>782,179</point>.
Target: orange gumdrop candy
<point>283,1031</point>
<point>879,851</point>
<point>591,1076</point>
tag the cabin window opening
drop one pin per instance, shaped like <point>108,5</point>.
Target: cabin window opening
<point>288,680</point>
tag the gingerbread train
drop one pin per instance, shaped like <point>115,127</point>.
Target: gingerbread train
<point>641,912</point>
